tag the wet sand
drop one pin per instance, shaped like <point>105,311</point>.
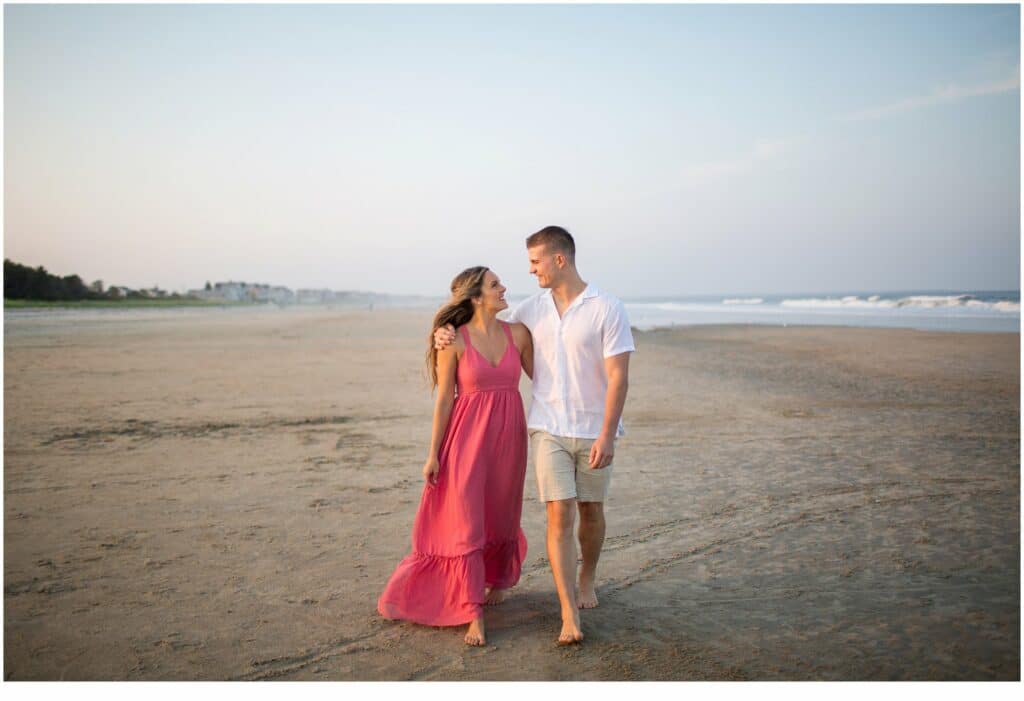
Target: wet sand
<point>222,494</point>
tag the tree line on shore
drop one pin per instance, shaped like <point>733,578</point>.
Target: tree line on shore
<point>23,282</point>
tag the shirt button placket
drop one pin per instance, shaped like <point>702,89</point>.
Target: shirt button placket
<point>561,380</point>
<point>564,374</point>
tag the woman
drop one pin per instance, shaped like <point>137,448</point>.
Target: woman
<point>467,545</point>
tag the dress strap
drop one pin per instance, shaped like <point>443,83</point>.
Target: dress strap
<point>508,333</point>
<point>465,335</point>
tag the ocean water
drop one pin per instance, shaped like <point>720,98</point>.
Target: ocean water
<point>932,310</point>
<point>926,309</point>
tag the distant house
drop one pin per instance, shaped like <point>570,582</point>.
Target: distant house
<point>244,292</point>
<point>266,293</point>
<point>315,296</point>
<point>232,291</point>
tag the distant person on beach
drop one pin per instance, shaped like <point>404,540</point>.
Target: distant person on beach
<point>467,544</point>
<point>580,377</point>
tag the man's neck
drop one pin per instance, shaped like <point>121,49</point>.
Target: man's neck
<point>565,292</point>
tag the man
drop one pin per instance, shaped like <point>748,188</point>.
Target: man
<point>582,342</point>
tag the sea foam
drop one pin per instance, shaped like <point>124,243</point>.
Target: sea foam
<point>914,301</point>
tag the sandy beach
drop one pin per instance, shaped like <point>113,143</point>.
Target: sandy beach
<point>222,494</point>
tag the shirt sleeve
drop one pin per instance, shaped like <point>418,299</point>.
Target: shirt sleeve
<point>618,338</point>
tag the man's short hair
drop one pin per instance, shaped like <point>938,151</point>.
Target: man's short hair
<point>555,239</point>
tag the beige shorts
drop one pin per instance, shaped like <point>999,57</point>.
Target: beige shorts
<point>563,468</point>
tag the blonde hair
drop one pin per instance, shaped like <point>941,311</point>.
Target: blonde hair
<point>458,310</point>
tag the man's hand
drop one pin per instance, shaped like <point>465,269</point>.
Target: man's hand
<point>444,337</point>
<point>602,452</point>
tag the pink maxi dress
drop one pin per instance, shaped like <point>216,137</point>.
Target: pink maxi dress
<point>466,534</point>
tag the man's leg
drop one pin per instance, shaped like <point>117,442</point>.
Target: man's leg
<point>562,555</point>
<point>591,540</point>
<point>591,491</point>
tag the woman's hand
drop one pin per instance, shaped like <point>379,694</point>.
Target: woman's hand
<point>430,470</point>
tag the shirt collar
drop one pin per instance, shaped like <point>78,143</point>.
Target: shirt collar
<point>588,292</point>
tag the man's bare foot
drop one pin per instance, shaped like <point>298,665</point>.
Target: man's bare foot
<point>494,596</point>
<point>571,633</point>
<point>586,597</point>
<point>475,635</point>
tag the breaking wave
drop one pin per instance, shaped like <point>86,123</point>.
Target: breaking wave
<point>915,301</point>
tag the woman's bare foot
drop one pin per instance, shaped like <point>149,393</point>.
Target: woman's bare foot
<point>494,596</point>
<point>571,633</point>
<point>475,635</point>
<point>586,597</point>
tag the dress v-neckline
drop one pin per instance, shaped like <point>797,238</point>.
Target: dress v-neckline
<point>508,342</point>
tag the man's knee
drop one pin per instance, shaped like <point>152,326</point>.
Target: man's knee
<point>591,513</point>
<point>561,515</point>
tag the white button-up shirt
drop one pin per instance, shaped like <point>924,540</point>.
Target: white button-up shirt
<point>569,379</point>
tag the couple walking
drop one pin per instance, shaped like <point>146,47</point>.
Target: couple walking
<point>574,342</point>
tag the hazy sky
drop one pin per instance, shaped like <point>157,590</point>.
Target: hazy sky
<point>690,150</point>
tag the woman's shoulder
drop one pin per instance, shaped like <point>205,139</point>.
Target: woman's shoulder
<point>457,347</point>
<point>460,343</point>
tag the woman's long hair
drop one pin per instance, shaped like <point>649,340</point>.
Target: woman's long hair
<point>457,311</point>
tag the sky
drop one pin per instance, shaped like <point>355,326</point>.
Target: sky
<point>689,149</point>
